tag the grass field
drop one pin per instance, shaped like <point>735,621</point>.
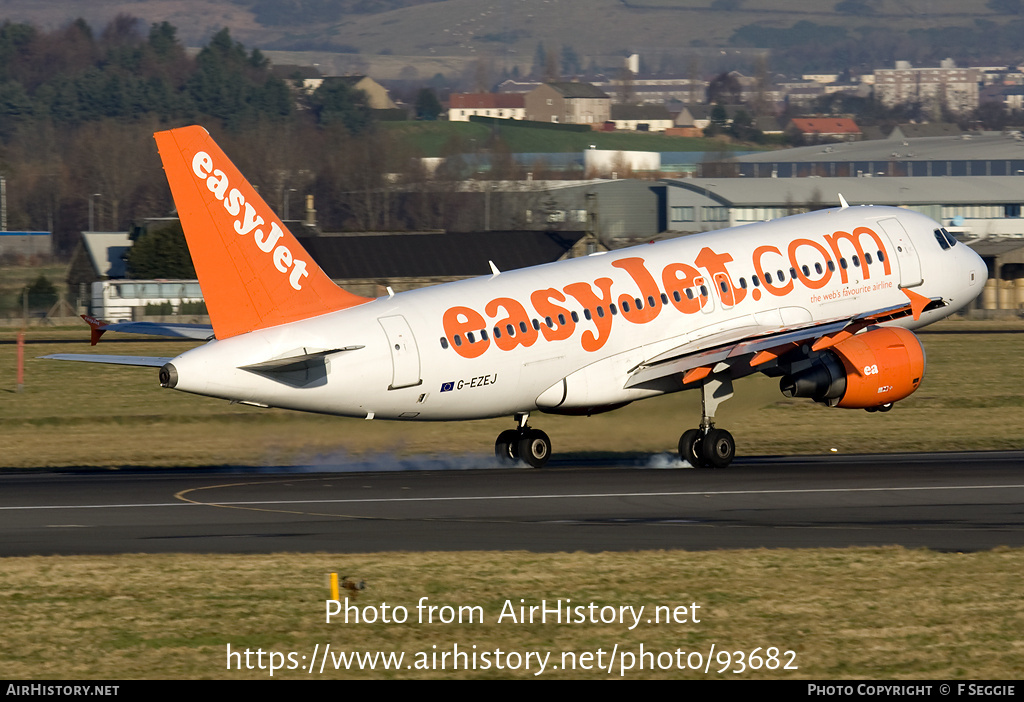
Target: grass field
<point>853,613</point>
<point>429,138</point>
<point>74,414</point>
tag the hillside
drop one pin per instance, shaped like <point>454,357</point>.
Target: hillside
<point>411,33</point>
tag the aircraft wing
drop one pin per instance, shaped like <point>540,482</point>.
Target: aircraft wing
<point>188,331</point>
<point>744,344</point>
<point>152,361</point>
<point>202,332</point>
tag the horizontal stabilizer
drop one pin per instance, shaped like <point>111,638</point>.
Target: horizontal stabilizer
<point>308,369</point>
<point>150,361</point>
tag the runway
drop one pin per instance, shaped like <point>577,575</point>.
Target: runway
<point>943,501</point>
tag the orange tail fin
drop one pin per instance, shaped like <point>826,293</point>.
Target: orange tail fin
<point>252,270</point>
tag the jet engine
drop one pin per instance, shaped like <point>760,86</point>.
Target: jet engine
<point>870,370</point>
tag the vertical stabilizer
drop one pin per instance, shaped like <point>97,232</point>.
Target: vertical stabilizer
<point>252,270</point>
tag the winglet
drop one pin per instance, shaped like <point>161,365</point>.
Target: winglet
<point>96,326</point>
<point>842,202</point>
<point>252,270</point>
<point>917,302</point>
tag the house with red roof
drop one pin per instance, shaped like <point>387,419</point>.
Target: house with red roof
<point>817,129</point>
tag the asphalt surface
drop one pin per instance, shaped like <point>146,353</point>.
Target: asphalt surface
<point>944,501</point>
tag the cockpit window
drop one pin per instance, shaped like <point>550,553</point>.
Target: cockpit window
<point>945,239</point>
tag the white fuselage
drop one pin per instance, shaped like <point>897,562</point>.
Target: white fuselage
<point>503,344</point>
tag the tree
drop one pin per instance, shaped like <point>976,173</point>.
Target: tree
<point>160,253</point>
<point>41,295</point>
<point>427,105</point>
<point>336,102</point>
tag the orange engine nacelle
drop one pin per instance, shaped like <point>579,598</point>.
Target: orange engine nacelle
<point>868,370</point>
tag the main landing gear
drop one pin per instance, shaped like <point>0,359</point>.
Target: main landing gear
<point>530,445</point>
<point>708,447</point>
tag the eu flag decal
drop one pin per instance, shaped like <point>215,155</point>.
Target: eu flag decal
<point>448,387</point>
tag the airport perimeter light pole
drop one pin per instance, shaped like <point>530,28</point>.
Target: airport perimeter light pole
<point>91,199</point>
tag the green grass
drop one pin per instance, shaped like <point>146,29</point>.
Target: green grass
<point>430,139</point>
<point>853,613</point>
<point>74,414</point>
<point>862,613</point>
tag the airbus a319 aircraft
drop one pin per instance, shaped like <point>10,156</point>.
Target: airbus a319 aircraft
<point>824,301</point>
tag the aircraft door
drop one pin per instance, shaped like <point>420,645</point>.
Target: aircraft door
<point>405,356</point>
<point>906,254</point>
<point>723,287</point>
<point>704,297</point>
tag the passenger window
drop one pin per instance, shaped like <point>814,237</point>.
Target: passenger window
<point>458,340</point>
<point>561,319</point>
<point>817,268</point>
<point>625,307</point>
<point>483,334</point>
<point>444,343</point>
<point>470,337</point>
<point>613,308</point>
<point>856,261</point>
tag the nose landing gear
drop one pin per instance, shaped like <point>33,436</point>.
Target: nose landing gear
<point>529,445</point>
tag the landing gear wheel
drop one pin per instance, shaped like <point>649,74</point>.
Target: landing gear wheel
<point>690,447</point>
<point>535,447</point>
<point>719,448</point>
<point>506,448</point>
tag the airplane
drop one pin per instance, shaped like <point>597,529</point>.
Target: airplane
<point>825,301</point>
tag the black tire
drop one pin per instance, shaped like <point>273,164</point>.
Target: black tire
<point>719,448</point>
<point>690,447</point>
<point>535,448</point>
<point>506,448</point>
